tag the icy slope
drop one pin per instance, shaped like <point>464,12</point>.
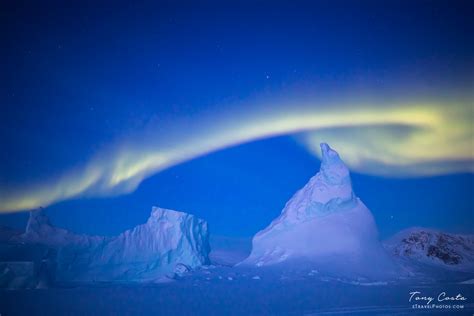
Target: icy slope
<point>324,224</point>
<point>168,242</point>
<point>433,248</point>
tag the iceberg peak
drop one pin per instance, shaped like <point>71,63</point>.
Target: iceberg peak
<point>162,214</point>
<point>333,169</point>
<point>331,183</point>
<point>37,219</point>
<point>327,152</point>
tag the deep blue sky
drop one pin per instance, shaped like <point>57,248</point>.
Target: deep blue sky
<point>77,77</point>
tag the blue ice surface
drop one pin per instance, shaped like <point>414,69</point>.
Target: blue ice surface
<point>235,291</point>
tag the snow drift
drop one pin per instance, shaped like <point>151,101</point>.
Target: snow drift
<point>169,243</point>
<point>325,225</point>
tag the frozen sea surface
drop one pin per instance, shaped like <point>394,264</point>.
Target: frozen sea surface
<point>231,291</point>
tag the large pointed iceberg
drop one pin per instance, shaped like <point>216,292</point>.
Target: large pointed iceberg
<point>326,225</point>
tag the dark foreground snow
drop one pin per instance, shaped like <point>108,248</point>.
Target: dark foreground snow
<point>234,291</point>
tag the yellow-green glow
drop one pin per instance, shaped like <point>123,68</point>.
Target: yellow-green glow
<point>392,140</point>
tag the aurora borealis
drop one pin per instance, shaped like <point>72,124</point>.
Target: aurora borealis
<point>398,140</point>
<point>219,109</point>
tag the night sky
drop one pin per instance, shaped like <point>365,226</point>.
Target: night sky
<point>218,110</point>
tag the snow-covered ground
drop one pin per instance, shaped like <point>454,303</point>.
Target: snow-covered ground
<point>235,291</point>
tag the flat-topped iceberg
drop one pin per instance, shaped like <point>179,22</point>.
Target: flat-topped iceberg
<point>169,242</point>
